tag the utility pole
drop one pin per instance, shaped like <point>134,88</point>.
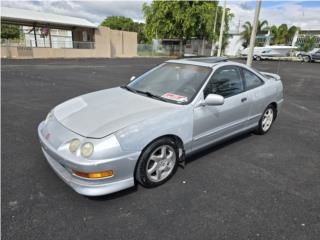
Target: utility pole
<point>254,32</point>
<point>214,30</point>
<point>222,28</point>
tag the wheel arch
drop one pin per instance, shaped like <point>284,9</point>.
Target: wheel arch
<point>175,139</point>
<point>275,105</point>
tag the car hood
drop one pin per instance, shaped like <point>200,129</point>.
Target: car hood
<point>101,113</point>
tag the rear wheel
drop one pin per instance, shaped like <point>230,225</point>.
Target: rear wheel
<point>157,163</point>
<point>266,120</point>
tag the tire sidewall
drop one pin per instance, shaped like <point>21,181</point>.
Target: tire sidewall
<point>141,168</point>
<point>260,129</point>
<point>306,59</point>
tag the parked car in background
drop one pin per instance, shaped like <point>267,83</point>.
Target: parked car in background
<point>106,141</point>
<point>260,53</point>
<point>311,56</point>
<point>299,54</point>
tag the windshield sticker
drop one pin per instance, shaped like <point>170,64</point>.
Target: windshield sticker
<point>175,97</point>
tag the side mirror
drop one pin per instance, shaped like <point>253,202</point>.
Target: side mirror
<point>132,78</point>
<point>214,100</point>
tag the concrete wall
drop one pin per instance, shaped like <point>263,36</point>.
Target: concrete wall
<point>119,44</point>
<point>108,43</point>
<point>102,42</point>
<point>130,50</point>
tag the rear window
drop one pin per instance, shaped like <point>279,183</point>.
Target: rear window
<point>252,80</point>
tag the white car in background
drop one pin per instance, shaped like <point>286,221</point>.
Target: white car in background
<point>260,53</point>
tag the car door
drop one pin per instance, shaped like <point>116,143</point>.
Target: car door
<point>212,123</point>
<point>316,55</point>
<point>255,92</point>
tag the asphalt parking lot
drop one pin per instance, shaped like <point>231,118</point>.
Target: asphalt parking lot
<point>253,187</point>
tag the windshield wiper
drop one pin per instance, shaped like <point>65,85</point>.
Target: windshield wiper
<point>128,88</point>
<point>149,94</point>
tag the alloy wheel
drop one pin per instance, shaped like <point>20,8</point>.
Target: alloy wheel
<point>161,163</point>
<point>267,119</point>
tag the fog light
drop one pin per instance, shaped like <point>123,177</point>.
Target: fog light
<point>94,175</point>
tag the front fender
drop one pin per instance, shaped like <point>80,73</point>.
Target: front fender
<point>177,122</point>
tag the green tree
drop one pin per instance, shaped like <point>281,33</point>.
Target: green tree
<point>9,31</point>
<point>308,44</point>
<point>247,30</point>
<point>183,19</point>
<point>139,28</point>
<point>118,23</point>
<point>282,34</point>
<point>291,32</point>
<point>125,24</point>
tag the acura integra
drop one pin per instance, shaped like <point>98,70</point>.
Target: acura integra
<point>109,140</point>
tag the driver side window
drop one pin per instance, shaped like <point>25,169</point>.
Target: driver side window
<point>226,81</point>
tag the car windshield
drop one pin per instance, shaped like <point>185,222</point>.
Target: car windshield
<point>172,82</point>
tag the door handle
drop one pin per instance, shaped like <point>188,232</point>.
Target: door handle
<point>244,99</point>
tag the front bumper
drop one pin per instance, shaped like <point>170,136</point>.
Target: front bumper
<point>123,169</point>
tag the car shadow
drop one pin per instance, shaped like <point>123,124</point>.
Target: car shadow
<point>115,195</point>
<point>192,157</point>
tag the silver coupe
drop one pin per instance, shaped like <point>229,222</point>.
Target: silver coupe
<point>106,141</point>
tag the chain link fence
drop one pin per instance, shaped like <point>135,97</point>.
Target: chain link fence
<point>150,50</point>
<point>175,49</point>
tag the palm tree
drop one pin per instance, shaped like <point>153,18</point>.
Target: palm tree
<point>282,34</point>
<point>263,27</point>
<point>246,33</point>
<point>291,32</point>
<point>308,44</point>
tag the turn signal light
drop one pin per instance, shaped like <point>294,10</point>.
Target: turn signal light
<point>94,175</point>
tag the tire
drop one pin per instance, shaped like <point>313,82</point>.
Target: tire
<point>266,120</point>
<point>155,166</point>
<point>306,59</point>
<point>258,58</point>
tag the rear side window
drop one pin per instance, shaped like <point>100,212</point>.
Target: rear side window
<point>226,82</point>
<point>251,79</point>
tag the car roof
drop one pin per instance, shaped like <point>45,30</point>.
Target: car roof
<point>203,61</point>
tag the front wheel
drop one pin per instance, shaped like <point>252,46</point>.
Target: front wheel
<point>266,120</point>
<point>157,163</point>
<point>306,59</point>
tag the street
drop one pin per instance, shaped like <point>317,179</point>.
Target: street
<point>250,187</point>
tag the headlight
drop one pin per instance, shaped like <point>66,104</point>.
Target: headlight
<point>87,149</point>
<point>74,144</point>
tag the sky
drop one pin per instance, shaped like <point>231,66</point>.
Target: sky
<point>304,14</point>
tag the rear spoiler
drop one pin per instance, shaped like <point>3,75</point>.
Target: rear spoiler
<point>271,75</point>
